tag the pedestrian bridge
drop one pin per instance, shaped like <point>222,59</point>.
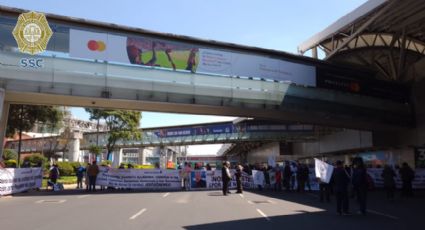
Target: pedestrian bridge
<point>92,64</point>
<point>211,133</point>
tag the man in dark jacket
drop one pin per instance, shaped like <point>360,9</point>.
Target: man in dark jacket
<point>360,183</point>
<point>225,177</point>
<point>238,175</point>
<point>407,175</point>
<point>341,181</point>
<point>287,176</point>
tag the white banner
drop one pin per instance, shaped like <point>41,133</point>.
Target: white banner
<point>229,63</point>
<point>378,182</point>
<point>258,177</point>
<point>323,170</point>
<point>18,180</point>
<point>213,180</point>
<point>139,179</point>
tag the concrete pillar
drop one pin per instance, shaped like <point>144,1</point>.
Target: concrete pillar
<point>142,157</point>
<point>74,145</point>
<point>314,52</point>
<point>117,158</point>
<point>4,112</point>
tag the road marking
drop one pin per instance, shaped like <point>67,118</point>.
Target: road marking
<point>271,202</point>
<point>50,201</point>
<point>166,194</point>
<point>83,196</point>
<point>383,214</point>
<point>137,214</point>
<point>241,195</point>
<point>250,202</point>
<point>264,215</point>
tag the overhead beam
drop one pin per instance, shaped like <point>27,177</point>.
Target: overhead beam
<point>360,30</point>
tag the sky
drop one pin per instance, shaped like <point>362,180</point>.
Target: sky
<point>272,24</point>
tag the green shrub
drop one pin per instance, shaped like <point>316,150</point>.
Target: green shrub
<point>10,154</point>
<point>66,169</point>
<point>75,165</point>
<point>106,163</point>
<point>11,163</point>
<point>36,159</point>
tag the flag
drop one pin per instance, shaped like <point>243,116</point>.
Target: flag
<point>323,170</point>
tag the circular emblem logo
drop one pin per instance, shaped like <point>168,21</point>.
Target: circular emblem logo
<point>32,32</point>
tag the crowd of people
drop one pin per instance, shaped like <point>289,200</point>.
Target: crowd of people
<point>89,173</point>
<point>346,182</point>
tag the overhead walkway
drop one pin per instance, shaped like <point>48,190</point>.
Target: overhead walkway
<point>64,79</point>
<point>211,133</point>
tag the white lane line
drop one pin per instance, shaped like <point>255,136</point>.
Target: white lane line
<point>264,215</point>
<point>137,214</point>
<point>50,201</point>
<point>166,194</point>
<point>250,202</point>
<point>241,195</point>
<point>271,202</point>
<point>383,214</point>
<point>83,196</point>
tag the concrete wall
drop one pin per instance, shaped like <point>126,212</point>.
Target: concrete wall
<point>344,140</point>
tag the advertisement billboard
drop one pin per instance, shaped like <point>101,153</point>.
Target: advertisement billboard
<point>145,51</point>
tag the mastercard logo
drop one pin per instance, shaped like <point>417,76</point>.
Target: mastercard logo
<point>96,45</point>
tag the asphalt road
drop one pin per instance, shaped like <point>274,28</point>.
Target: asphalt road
<point>200,210</point>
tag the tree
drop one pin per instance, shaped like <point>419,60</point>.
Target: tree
<point>121,124</point>
<point>94,149</point>
<point>25,117</point>
<point>10,154</point>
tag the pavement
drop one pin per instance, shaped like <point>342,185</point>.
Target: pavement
<point>128,209</point>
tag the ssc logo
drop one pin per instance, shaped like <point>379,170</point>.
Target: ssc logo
<point>32,33</point>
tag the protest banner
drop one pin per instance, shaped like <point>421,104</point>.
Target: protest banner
<point>154,179</point>
<point>19,180</point>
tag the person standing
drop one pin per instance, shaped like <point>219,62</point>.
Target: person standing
<point>294,169</point>
<point>388,176</point>
<point>187,172</point>
<point>287,174</point>
<point>325,191</point>
<point>407,175</point>
<point>92,172</point>
<point>54,173</point>
<point>278,176</point>
<point>80,174</point>
<point>341,181</point>
<point>238,175</point>
<point>225,177</point>
<point>360,183</point>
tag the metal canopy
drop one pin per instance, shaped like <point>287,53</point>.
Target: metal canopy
<point>385,35</point>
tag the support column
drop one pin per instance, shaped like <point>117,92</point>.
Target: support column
<point>74,145</point>
<point>4,113</point>
<point>142,157</point>
<point>314,52</point>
